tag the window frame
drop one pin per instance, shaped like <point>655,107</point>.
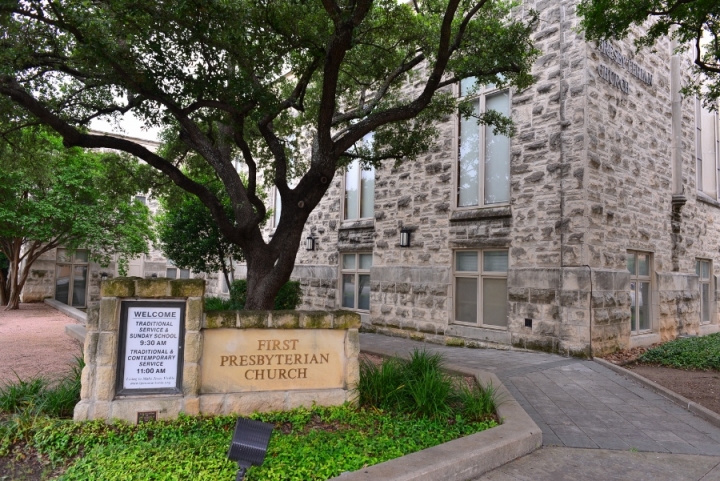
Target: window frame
<point>357,272</point>
<point>71,280</point>
<point>699,158</point>
<point>480,275</point>
<point>368,138</point>
<point>710,282</point>
<point>482,94</point>
<point>638,279</point>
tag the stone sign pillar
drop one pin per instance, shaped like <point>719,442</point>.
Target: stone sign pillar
<point>104,395</point>
<point>152,353</point>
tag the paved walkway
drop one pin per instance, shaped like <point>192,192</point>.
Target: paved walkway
<point>33,343</point>
<point>580,404</point>
<point>568,464</point>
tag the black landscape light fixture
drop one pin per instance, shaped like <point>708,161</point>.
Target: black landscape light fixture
<point>310,243</point>
<point>405,238</point>
<point>249,444</point>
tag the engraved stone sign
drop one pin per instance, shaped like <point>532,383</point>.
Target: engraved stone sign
<point>151,340</point>
<point>272,360</point>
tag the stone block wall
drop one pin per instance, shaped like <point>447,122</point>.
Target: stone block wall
<point>591,178</point>
<point>100,401</point>
<point>97,396</point>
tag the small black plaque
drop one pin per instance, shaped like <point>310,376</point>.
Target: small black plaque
<point>146,416</point>
<point>528,322</point>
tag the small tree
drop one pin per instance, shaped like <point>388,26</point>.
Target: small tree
<point>190,237</point>
<point>695,24</point>
<point>51,196</point>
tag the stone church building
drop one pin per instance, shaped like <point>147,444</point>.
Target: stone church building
<point>595,227</point>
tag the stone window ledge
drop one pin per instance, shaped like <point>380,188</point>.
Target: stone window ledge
<point>496,212</point>
<point>357,224</point>
<point>644,340</point>
<point>703,197</point>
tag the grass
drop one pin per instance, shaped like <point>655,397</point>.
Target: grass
<point>407,406</point>
<point>308,444</point>
<point>702,353</point>
<point>24,402</point>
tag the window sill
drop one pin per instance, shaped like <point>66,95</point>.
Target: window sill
<point>703,197</point>
<point>357,224</point>
<point>644,339</point>
<point>481,213</point>
<point>479,332</point>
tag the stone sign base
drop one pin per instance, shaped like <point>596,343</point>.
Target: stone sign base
<point>229,362</point>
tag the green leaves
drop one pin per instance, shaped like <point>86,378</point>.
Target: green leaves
<point>695,24</point>
<point>701,352</point>
<point>51,196</point>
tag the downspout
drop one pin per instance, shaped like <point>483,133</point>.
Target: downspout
<point>564,123</point>
<point>678,189</point>
<point>590,319</point>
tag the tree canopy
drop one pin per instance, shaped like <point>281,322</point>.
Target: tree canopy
<point>51,196</point>
<point>695,24</point>
<point>191,239</point>
<point>287,87</point>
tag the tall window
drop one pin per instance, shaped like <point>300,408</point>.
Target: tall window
<point>277,207</point>
<point>481,287</point>
<point>483,157</point>
<point>71,272</point>
<point>638,263</point>
<point>707,149</point>
<point>356,281</point>
<point>359,191</point>
<point>703,269</point>
<point>360,185</point>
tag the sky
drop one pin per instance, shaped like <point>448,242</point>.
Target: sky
<point>128,125</point>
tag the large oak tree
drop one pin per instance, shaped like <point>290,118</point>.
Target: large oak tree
<point>229,79</point>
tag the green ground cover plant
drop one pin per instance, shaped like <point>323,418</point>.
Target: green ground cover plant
<point>687,353</point>
<point>420,407</point>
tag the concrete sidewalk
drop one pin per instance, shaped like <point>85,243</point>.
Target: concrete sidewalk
<point>579,404</point>
<point>571,464</point>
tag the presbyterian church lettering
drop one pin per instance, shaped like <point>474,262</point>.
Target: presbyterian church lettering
<point>616,56</point>
<point>273,361</point>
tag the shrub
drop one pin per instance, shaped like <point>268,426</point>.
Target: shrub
<point>27,402</point>
<point>479,402</point>
<point>217,304</point>
<point>43,397</point>
<point>288,298</point>
<point>420,387</point>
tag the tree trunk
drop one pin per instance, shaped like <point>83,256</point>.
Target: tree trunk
<point>267,273</point>
<point>4,291</point>
<point>17,282</point>
<point>16,276</point>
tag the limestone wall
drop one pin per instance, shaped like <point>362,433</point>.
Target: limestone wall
<point>591,178</point>
<point>334,331</point>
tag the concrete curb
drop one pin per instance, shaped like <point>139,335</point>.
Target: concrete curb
<point>464,458</point>
<point>695,408</point>
<point>76,314</point>
<point>76,331</point>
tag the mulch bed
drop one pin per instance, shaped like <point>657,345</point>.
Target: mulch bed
<point>702,387</point>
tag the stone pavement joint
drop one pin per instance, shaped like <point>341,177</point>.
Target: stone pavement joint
<point>578,403</point>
